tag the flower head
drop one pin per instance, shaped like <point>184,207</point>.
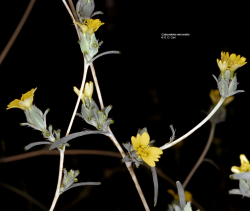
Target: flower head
<point>25,102</point>
<point>215,97</point>
<point>144,151</point>
<point>245,165</point>
<point>90,25</point>
<point>188,195</point>
<point>87,92</point>
<point>93,25</point>
<point>231,62</point>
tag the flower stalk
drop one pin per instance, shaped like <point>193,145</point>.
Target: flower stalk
<point>167,145</point>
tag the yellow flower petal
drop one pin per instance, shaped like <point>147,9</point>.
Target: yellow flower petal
<point>25,102</point>
<point>93,25</point>
<point>89,88</point>
<point>243,159</point>
<point>77,91</point>
<point>149,161</point>
<point>233,62</point>
<point>176,196</point>
<point>151,155</point>
<point>214,96</point>
<point>245,165</point>
<point>145,139</point>
<point>188,196</point>
<point>15,104</point>
<point>83,27</point>
<point>135,143</point>
<point>235,169</point>
<point>228,100</point>
<point>233,56</point>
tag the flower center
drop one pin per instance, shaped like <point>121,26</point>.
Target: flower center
<point>142,151</point>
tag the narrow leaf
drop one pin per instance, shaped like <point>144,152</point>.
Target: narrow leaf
<point>75,135</point>
<point>155,180</point>
<point>35,144</point>
<point>181,194</point>
<point>81,184</point>
<point>245,175</point>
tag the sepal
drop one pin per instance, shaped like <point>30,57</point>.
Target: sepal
<point>227,86</point>
<point>92,115</point>
<point>69,179</point>
<point>244,184</point>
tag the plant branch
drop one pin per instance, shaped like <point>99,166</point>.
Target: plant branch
<point>167,145</point>
<point>24,195</point>
<point>59,180</point>
<point>201,158</point>
<point>17,31</point>
<point>86,152</point>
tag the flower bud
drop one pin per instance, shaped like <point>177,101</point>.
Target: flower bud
<point>85,8</point>
<point>77,92</point>
<point>88,91</point>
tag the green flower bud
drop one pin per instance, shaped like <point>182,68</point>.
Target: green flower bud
<point>85,8</point>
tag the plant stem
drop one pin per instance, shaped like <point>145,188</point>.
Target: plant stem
<point>130,169</point>
<point>112,137</point>
<point>68,131</point>
<point>209,141</point>
<point>17,31</point>
<point>59,179</point>
<point>167,145</point>
<point>97,86</point>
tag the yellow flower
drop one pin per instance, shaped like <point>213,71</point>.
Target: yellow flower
<point>215,97</point>
<point>148,154</point>
<point>25,102</point>
<point>188,195</point>
<point>90,25</point>
<point>93,25</point>
<point>87,92</point>
<point>231,62</point>
<point>245,165</point>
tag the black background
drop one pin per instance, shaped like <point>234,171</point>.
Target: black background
<point>155,82</point>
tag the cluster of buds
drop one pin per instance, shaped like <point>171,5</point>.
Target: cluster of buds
<point>227,81</point>
<point>90,111</point>
<point>69,179</point>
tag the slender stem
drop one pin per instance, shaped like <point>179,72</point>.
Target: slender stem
<point>17,30</point>
<point>196,127</point>
<point>68,131</point>
<point>79,97</point>
<point>130,169</point>
<point>24,195</point>
<point>112,137</point>
<point>59,179</point>
<point>209,141</point>
<point>97,85</point>
<point>73,10</point>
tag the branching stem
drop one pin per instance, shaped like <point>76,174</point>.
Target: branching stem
<point>112,137</point>
<point>200,160</point>
<point>59,180</point>
<point>196,127</point>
